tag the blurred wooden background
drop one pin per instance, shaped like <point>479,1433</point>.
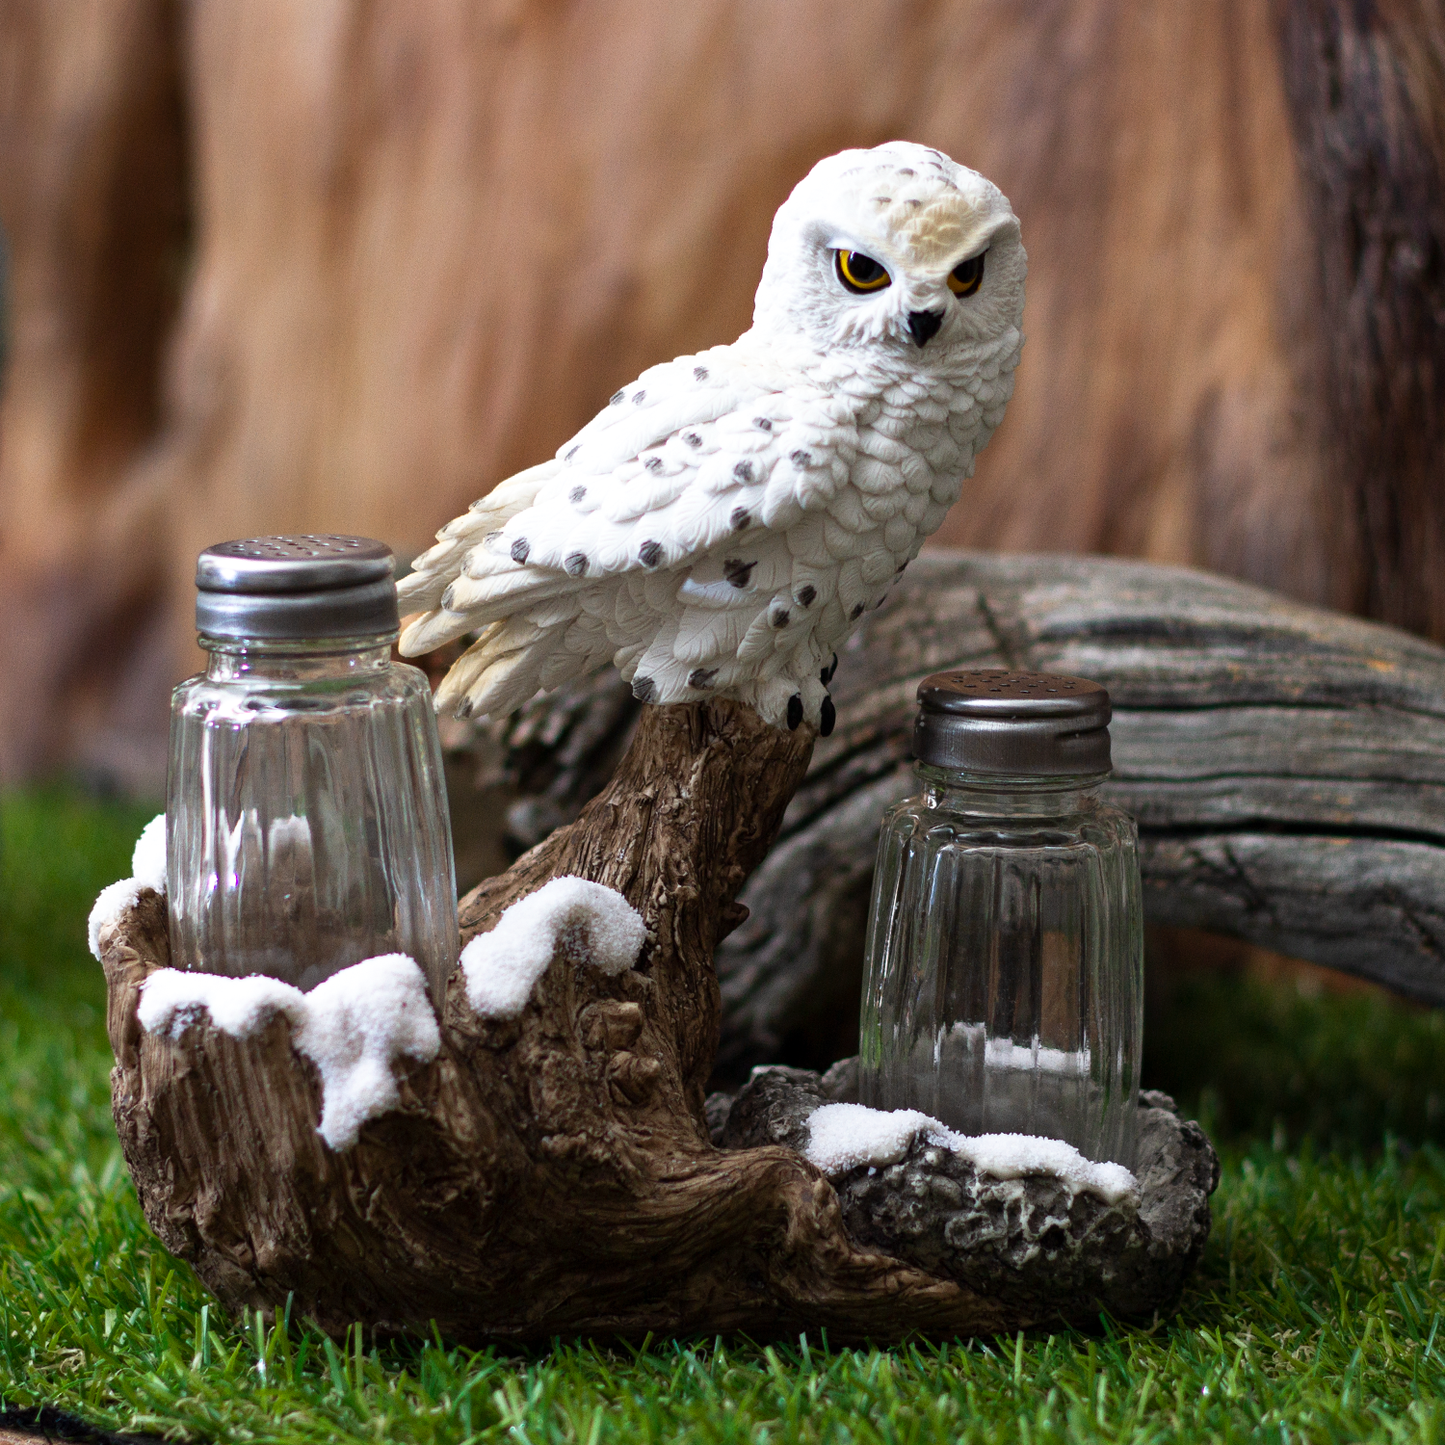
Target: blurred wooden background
<point>341,266</point>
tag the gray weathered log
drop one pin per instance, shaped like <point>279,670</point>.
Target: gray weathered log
<point>1286,766</point>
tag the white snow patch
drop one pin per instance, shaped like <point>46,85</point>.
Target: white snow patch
<point>148,870</point>
<point>148,862</point>
<point>1012,1156</point>
<point>844,1136</point>
<point>502,967</point>
<point>112,902</point>
<point>353,1027</point>
<point>172,999</point>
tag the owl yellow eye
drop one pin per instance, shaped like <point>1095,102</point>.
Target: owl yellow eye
<point>860,273</point>
<point>967,276</point>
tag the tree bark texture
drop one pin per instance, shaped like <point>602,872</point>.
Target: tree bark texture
<point>1286,766</point>
<point>282,267</point>
<point>551,1173</point>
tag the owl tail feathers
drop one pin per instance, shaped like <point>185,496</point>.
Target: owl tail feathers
<point>512,661</point>
<point>484,683</point>
<point>493,677</point>
<point>439,566</point>
<point>503,590</point>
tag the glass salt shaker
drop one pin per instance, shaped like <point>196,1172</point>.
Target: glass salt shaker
<point>306,812</point>
<point>1003,984</point>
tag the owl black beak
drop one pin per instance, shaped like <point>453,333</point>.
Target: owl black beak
<point>923,326</point>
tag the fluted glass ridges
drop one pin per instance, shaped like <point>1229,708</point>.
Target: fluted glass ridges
<point>1003,987</point>
<point>307,822</point>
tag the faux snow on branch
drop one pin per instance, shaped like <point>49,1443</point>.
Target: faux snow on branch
<point>588,919</point>
<point>354,1027</point>
<point>845,1136</point>
<point>358,1023</point>
<point>148,870</point>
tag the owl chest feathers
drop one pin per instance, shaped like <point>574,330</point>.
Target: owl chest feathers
<point>843,488</point>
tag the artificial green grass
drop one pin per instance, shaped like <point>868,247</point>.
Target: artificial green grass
<point>1316,1314</point>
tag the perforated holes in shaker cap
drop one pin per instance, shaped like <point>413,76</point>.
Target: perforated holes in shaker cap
<point>307,586</point>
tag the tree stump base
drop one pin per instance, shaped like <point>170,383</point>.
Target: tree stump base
<point>554,1173</point>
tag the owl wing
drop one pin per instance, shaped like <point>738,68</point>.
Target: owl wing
<point>658,539</point>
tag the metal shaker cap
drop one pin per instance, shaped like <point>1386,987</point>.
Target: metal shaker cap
<point>1028,724</point>
<point>302,587</point>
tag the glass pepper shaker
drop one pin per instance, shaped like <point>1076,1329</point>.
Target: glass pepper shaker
<point>306,813</point>
<point>1003,982</point>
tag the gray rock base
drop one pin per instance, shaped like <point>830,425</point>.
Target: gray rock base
<point>1040,1241</point>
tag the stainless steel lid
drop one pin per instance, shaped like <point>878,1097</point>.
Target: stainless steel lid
<point>302,587</point>
<point>1028,724</point>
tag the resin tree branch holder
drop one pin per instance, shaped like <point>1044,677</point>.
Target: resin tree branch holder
<point>555,1173</point>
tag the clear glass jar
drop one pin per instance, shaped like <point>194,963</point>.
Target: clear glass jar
<point>306,816</point>
<point>1003,984</point>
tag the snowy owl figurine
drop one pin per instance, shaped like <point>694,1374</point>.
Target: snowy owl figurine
<point>721,525</point>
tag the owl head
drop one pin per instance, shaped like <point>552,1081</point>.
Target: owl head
<point>898,250</point>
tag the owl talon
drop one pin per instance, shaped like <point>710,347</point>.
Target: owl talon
<point>830,717</point>
<point>795,712</point>
<point>826,676</point>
